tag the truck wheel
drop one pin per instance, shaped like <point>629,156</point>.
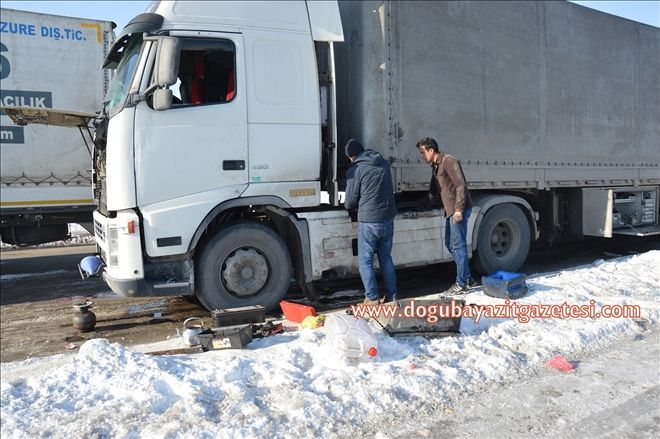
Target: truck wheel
<point>503,240</point>
<point>244,264</point>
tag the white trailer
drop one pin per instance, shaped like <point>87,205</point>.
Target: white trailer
<point>48,61</point>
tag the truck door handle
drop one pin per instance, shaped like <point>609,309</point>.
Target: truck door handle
<point>233,165</point>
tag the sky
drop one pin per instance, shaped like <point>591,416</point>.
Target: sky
<point>122,11</point>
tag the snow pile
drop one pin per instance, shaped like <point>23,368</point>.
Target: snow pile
<point>78,236</point>
<point>295,385</point>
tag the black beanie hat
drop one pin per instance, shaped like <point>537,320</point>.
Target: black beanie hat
<point>353,148</point>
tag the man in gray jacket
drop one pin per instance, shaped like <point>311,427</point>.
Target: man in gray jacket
<point>369,189</point>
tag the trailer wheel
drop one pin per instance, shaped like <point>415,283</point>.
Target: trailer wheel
<point>244,264</point>
<point>503,240</point>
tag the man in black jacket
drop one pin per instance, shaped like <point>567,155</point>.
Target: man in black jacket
<point>369,189</point>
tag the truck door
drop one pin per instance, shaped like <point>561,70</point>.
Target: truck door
<point>200,143</point>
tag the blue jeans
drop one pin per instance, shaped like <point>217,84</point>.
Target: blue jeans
<point>456,242</point>
<point>376,238</point>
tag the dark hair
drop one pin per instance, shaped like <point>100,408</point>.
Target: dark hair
<point>428,143</point>
<point>353,148</point>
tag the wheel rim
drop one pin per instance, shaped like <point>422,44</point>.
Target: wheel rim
<point>503,239</point>
<point>244,272</point>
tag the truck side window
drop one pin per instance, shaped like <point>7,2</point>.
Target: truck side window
<point>207,73</point>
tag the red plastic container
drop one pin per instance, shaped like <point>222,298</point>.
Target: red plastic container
<point>295,312</point>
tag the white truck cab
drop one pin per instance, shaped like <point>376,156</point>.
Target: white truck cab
<point>214,128</point>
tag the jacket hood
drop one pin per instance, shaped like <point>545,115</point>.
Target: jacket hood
<point>370,157</point>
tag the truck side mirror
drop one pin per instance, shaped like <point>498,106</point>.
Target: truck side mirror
<point>167,61</point>
<point>162,99</point>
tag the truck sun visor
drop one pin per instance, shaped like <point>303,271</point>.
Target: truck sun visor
<point>148,22</point>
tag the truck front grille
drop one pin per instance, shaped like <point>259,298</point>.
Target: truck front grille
<point>99,230</point>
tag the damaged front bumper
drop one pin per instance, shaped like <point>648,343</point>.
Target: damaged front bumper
<point>120,246</point>
<point>118,241</point>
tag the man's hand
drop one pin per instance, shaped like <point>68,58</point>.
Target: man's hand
<point>457,217</point>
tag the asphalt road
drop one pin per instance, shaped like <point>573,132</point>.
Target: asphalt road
<point>30,275</point>
<point>38,287</point>
<point>35,274</point>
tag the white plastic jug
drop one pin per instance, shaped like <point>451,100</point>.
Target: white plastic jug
<point>351,336</point>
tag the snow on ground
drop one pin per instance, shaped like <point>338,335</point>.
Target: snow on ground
<point>296,385</point>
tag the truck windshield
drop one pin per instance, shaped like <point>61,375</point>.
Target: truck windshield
<point>121,80</point>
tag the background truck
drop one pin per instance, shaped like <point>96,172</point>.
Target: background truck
<point>48,61</point>
<point>221,171</point>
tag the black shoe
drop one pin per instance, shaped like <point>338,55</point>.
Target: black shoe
<point>456,289</point>
<point>471,283</point>
<point>388,299</point>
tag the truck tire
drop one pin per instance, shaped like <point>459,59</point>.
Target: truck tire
<point>502,241</point>
<point>244,264</point>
